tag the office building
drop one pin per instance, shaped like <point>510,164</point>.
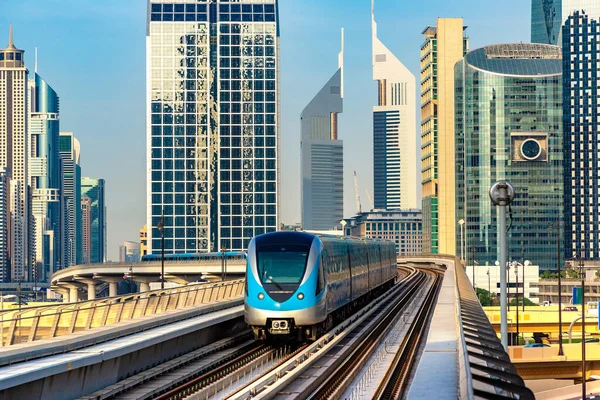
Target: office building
<point>18,264</point>
<point>14,143</point>
<point>403,227</point>
<point>93,203</point>
<point>143,241</point>
<point>4,226</point>
<point>394,130</point>
<point>69,150</point>
<point>444,45</point>
<point>45,175</point>
<point>213,123</point>
<point>86,229</point>
<point>548,17</point>
<point>322,155</point>
<point>487,277</point>
<point>129,252</point>
<point>581,116</point>
<point>509,127</point>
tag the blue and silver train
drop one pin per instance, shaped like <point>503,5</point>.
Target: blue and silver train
<point>298,284</point>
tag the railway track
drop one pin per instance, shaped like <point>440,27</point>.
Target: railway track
<point>230,365</point>
<point>328,366</point>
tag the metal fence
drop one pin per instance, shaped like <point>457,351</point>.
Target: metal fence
<point>36,323</point>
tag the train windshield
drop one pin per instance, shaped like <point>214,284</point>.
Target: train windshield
<point>282,263</point>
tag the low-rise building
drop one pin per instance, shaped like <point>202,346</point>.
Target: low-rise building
<point>403,227</point>
<point>487,277</point>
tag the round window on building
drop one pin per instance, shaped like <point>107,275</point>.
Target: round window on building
<point>531,149</point>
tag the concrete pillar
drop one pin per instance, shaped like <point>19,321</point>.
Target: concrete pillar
<point>91,291</point>
<point>144,287</point>
<point>112,289</point>
<point>73,294</point>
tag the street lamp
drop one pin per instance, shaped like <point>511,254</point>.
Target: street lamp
<point>161,227</point>
<point>583,371</point>
<point>473,261</point>
<point>560,342</point>
<point>461,222</point>
<point>223,267</point>
<point>516,266</point>
<point>489,288</point>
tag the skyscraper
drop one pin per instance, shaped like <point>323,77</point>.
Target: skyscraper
<point>549,16</point>
<point>322,155</point>
<point>581,116</point>
<point>4,225</point>
<point>45,174</point>
<point>16,235</point>
<point>14,143</point>
<point>213,118</point>
<point>129,252</point>
<point>93,189</point>
<point>86,230</point>
<point>394,130</point>
<point>509,127</point>
<point>445,44</point>
<point>69,150</point>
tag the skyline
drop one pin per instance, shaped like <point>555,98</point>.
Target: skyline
<point>92,72</point>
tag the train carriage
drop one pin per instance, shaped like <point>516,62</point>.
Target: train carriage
<point>298,283</point>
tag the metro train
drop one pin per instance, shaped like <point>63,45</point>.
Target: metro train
<point>298,284</point>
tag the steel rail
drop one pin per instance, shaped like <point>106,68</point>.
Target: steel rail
<point>396,377</point>
<point>269,385</point>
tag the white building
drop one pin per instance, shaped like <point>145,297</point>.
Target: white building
<point>212,123</point>
<point>394,130</point>
<point>322,155</point>
<point>14,144</point>
<point>491,281</point>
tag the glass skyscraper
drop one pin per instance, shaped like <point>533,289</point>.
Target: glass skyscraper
<point>581,116</point>
<point>549,16</point>
<point>69,149</point>
<point>93,211</point>
<point>45,174</point>
<point>212,128</point>
<point>509,127</point>
<point>322,155</point>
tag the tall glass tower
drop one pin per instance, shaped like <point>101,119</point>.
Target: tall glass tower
<point>69,150</point>
<point>93,209</point>
<point>394,130</point>
<point>45,173</point>
<point>549,16</point>
<point>212,127</point>
<point>322,155</point>
<point>509,127</point>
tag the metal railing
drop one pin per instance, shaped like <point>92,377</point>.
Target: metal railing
<point>36,323</point>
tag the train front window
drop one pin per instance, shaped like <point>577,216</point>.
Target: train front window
<point>282,263</point>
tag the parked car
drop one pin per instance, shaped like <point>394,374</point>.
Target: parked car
<point>531,345</point>
<point>570,308</point>
<point>592,340</point>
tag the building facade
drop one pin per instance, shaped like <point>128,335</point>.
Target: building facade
<point>444,45</point>
<point>69,150</point>
<point>45,174</point>
<point>5,230</point>
<point>581,116</point>
<point>129,252</point>
<point>487,277</point>
<point>86,230</point>
<point>93,199</point>
<point>14,144</point>
<point>213,123</point>
<point>403,227</point>
<point>143,241</point>
<point>322,155</point>
<point>509,127</point>
<point>394,130</point>
<point>548,18</point>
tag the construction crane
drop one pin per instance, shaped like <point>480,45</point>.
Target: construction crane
<point>358,207</point>
<point>370,199</point>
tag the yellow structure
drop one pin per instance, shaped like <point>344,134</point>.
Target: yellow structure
<point>144,241</point>
<point>444,45</point>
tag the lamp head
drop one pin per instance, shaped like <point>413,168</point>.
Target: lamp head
<point>497,263</point>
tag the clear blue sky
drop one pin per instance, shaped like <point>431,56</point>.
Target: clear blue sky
<point>93,54</point>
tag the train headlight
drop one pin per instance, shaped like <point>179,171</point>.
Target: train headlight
<point>300,296</point>
<point>261,296</point>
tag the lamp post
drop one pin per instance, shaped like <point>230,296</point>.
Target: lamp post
<point>583,371</point>
<point>517,306</point>
<point>508,285</point>
<point>461,222</point>
<point>161,227</point>
<point>223,248</point>
<point>560,342</point>
<point>489,288</point>
<point>523,264</point>
<point>473,261</point>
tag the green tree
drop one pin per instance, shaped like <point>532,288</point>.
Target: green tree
<point>484,297</point>
<point>597,273</point>
<point>528,302</point>
<point>572,273</point>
